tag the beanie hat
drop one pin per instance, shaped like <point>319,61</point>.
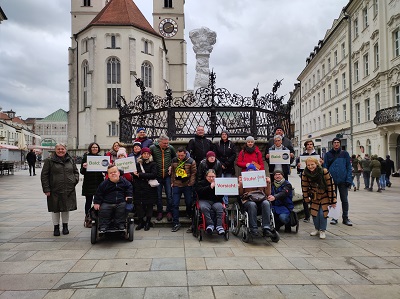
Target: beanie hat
<point>137,143</point>
<point>251,167</point>
<point>145,150</point>
<point>225,131</point>
<point>210,154</point>
<point>278,171</point>
<point>278,127</point>
<point>122,151</point>
<point>249,138</point>
<point>140,129</point>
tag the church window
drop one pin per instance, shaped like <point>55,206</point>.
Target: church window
<point>113,82</point>
<point>85,69</point>
<point>86,3</point>
<point>168,3</point>
<point>113,128</point>
<point>146,71</point>
<point>113,43</point>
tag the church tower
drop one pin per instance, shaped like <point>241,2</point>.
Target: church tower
<point>169,21</point>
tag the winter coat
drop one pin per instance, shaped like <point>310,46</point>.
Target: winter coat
<point>144,193</point>
<point>283,203</point>
<point>286,142</point>
<point>323,198</point>
<point>226,154</point>
<point>339,166</point>
<point>245,157</point>
<point>365,164</point>
<point>375,168</point>
<point>198,148</point>
<point>389,166</point>
<point>31,158</point>
<point>136,156</point>
<point>205,192</point>
<point>285,167</point>
<point>91,179</point>
<point>163,158</point>
<point>205,165</point>
<point>354,164</point>
<point>113,155</point>
<point>383,166</point>
<point>59,177</point>
<point>113,193</point>
<point>186,167</point>
<point>145,142</point>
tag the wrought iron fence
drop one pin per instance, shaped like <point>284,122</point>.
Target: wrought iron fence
<point>214,108</point>
<point>387,115</point>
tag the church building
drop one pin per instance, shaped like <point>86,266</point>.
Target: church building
<point>112,44</point>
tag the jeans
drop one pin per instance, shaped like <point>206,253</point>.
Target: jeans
<point>382,181</point>
<point>176,197</point>
<point>109,212</point>
<point>166,183</point>
<point>31,167</point>
<point>357,176</point>
<point>372,183</point>
<point>320,222</point>
<point>366,175</point>
<point>211,211</point>
<point>225,198</point>
<point>306,210</point>
<point>251,207</point>
<point>344,193</point>
<point>281,219</point>
<point>388,179</point>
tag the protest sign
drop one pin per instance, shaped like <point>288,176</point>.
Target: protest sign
<point>279,157</point>
<point>252,179</point>
<point>126,164</point>
<point>97,163</point>
<point>226,186</point>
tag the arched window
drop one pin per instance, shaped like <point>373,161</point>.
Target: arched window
<point>113,82</point>
<point>369,151</point>
<point>85,70</point>
<point>146,70</point>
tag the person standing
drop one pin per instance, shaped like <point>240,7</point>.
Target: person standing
<point>91,180</point>
<point>199,146</point>
<point>31,159</point>
<point>59,177</point>
<point>250,154</point>
<point>137,148</point>
<point>210,162</point>
<point>286,142</point>
<point>318,189</point>
<point>142,138</point>
<point>337,161</point>
<point>112,153</point>
<point>389,170</point>
<point>183,178</point>
<point>356,171</point>
<point>382,179</point>
<point>365,165</point>
<point>375,173</point>
<point>163,153</point>
<point>285,168</point>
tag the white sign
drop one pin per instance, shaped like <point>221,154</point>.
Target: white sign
<point>226,186</point>
<point>126,164</point>
<point>252,179</point>
<point>304,158</point>
<point>97,163</point>
<point>279,157</point>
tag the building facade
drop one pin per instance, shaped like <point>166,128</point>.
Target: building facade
<point>53,128</point>
<point>350,85</point>
<point>113,45</point>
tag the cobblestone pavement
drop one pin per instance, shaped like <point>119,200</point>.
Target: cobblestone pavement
<point>362,261</point>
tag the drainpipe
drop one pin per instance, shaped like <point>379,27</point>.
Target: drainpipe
<point>77,92</point>
<point>300,123</point>
<point>348,18</point>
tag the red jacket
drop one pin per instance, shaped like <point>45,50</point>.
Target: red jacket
<point>244,157</point>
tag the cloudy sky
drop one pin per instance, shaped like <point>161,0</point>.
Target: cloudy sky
<point>258,41</point>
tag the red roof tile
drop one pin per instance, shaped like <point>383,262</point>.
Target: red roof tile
<point>122,13</point>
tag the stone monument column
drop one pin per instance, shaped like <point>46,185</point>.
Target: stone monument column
<point>203,40</point>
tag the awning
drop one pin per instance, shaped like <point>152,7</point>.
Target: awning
<point>7,146</point>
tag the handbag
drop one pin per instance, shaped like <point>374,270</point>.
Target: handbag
<point>256,196</point>
<point>293,218</point>
<point>359,168</point>
<point>152,182</point>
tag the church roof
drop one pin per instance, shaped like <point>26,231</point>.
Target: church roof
<point>122,13</point>
<point>58,116</point>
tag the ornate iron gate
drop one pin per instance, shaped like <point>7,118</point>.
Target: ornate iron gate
<point>214,108</point>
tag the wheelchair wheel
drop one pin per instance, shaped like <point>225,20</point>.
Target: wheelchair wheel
<point>246,234</point>
<point>275,238</point>
<point>226,235</point>
<point>234,221</point>
<point>195,223</point>
<point>200,235</point>
<point>130,229</point>
<point>93,233</point>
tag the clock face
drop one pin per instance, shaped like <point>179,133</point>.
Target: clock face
<point>168,27</point>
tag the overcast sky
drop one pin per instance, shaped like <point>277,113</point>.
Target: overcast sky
<point>258,41</point>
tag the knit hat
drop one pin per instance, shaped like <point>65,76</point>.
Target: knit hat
<point>249,138</point>
<point>122,151</point>
<point>278,171</point>
<point>225,131</point>
<point>251,167</point>
<point>137,143</point>
<point>145,150</point>
<point>278,127</point>
<point>140,129</point>
<point>210,154</point>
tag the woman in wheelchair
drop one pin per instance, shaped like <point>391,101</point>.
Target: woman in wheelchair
<point>255,199</point>
<point>210,204</point>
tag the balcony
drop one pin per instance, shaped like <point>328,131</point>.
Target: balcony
<point>387,115</point>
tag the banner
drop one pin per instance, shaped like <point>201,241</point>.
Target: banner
<point>279,157</point>
<point>97,163</point>
<point>226,186</point>
<point>126,164</point>
<point>304,158</point>
<point>252,179</point>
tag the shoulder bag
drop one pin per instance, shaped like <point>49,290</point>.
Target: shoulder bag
<point>256,196</point>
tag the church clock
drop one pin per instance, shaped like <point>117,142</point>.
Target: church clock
<point>168,27</point>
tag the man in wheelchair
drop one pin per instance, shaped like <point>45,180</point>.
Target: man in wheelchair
<point>256,199</point>
<point>210,204</point>
<point>110,200</point>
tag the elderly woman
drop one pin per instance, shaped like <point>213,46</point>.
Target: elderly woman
<point>210,204</point>
<point>59,178</point>
<point>91,180</point>
<point>112,153</point>
<point>318,188</point>
<point>145,196</point>
<point>250,154</point>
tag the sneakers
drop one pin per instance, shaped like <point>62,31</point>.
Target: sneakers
<point>169,217</point>
<point>355,189</point>
<point>322,234</point>
<point>314,232</point>
<point>159,216</point>
<point>176,227</point>
<point>220,230</point>
<point>307,220</point>
<point>333,221</point>
<point>210,229</point>
<point>267,232</point>
<point>347,221</point>
<point>379,190</point>
<point>254,232</point>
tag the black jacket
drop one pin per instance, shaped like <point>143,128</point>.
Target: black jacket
<point>286,142</point>
<point>198,148</point>
<point>205,192</point>
<point>226,154</point>
<point>113,193</point>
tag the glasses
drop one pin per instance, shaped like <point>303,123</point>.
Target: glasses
<point>211,176</point>
<point>95,147</point>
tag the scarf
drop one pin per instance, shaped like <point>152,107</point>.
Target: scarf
<point>249,150</point>
<point>316,177</point>
<point>277,184</point>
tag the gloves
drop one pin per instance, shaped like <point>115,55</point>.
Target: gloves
<point>348,185</point>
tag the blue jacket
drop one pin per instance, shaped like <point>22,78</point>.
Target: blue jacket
<point>339,166</point>
<point>283,203</point>
<point>113,193</point>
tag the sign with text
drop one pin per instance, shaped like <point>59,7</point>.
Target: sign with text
<point>226,186</point>
<point>304,158</point>
<point>126,164</point>
<point>252,179</point>
<point>279,157</point>
<point>97,163</point>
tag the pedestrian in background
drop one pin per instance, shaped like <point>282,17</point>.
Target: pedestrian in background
<point>389,170</point>
<point>356,171</point>
<point>365,165</point>
<point>31,159</point>
<point>375,166</point>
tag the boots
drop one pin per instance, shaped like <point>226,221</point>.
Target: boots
<point>147,225</point>
<point>140,225</point>
<point>65,229</point>
<point>56,230</point>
